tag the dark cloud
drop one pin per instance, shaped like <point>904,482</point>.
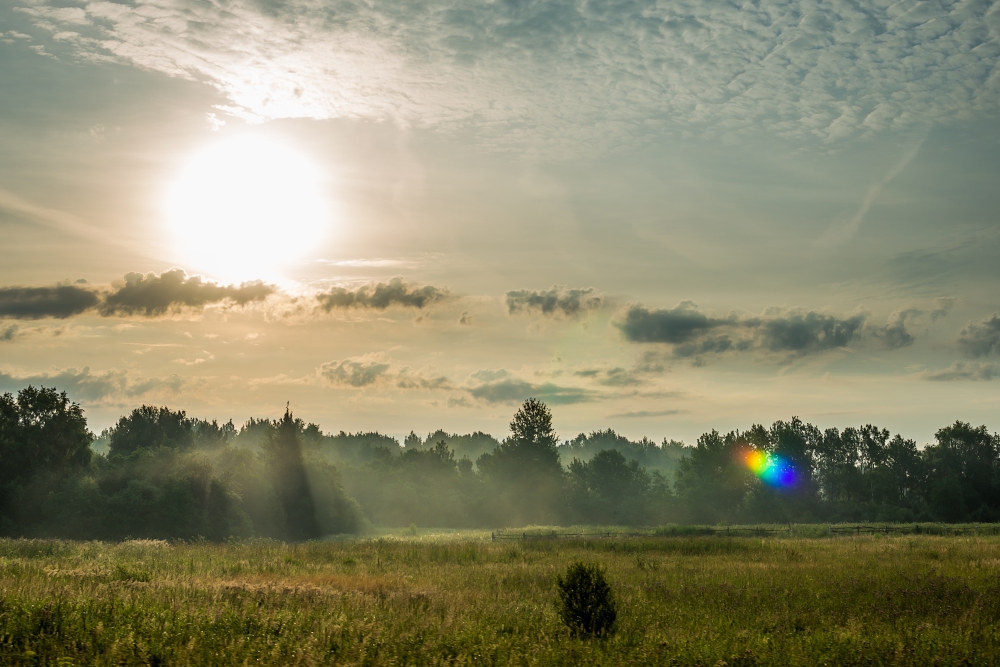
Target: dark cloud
<point>382,295</point>
<point>961,370</point>
<point>557,300</point>
<point>982,338</point>
<point>35,303</point>
<point>712,345</point>
<point>147,295</point>
<point>805,333</point>
<point>87,385</point>
<point>502,388</point>
<point>353,372</point>
<point>172,291</point>
<point>692,333</point>
<point>465,319</point>
<point>677,325</point>
<point>894,334</point>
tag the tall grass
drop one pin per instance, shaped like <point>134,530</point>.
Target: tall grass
<point>425,600</point>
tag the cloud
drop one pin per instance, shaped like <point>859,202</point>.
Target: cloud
<point>8,333</point>
<point>982,338</point>
<point>87,385</point>
<point>381,296</point>
<point>500,387</point>
<point>961,370</point>
<point>173,291</point>
<point>641,414</point>
<point>678,325</point>
<point>144,295</point>
<point>609,377</point>
<point>841,233</point>
<point>562,72</point>
<point>692,333</point>
<point>808,332</point>
<point>895,335</point>
<point>35,303</point>
<point>373,369</point>
<point>557,300</point>
<point>408,378</point>
<point>358,372</point>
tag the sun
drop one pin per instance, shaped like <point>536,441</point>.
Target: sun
<point>247,208</point>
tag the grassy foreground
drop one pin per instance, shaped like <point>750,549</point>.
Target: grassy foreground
<point>905,600</point>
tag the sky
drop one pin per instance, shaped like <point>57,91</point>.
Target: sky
<point>657,217</point>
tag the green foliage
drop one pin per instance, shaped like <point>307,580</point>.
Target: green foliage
<point>586,601</point>
<point>41,431</point>
<point>149,428</point>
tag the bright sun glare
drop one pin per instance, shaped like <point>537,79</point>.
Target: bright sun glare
<point>247,208</point>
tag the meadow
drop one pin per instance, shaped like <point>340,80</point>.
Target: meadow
<point>459,598</point>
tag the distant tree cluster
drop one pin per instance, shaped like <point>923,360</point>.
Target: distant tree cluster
<point>159,473</point>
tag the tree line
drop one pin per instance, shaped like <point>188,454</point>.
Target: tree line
<point>161,474</point>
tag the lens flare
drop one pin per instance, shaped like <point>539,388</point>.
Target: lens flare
<point>775,471</point>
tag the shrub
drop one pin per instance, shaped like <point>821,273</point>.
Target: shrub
<point>586,601</point>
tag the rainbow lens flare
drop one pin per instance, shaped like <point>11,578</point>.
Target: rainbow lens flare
<point>773,470</point>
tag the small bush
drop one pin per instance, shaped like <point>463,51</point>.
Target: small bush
<point>586,601</point>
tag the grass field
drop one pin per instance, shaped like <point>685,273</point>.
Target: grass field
<point>460,599</point>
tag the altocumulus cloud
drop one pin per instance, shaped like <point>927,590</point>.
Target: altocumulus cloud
<point>692,333</point>
<point>380,296</point>
<point>557,300</point>
<point>572,72</point>
<point>146,295</point>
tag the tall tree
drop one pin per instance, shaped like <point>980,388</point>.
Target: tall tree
<point>525,470</point>
<point>284,449</point>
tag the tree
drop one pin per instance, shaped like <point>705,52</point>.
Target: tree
<point>149,428</point>
<point>525,470</point>
<point>42,430</point>
<point>964,473</point>
<point>610,490</point>
<point>284,449</point>
<point>586,601</point>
